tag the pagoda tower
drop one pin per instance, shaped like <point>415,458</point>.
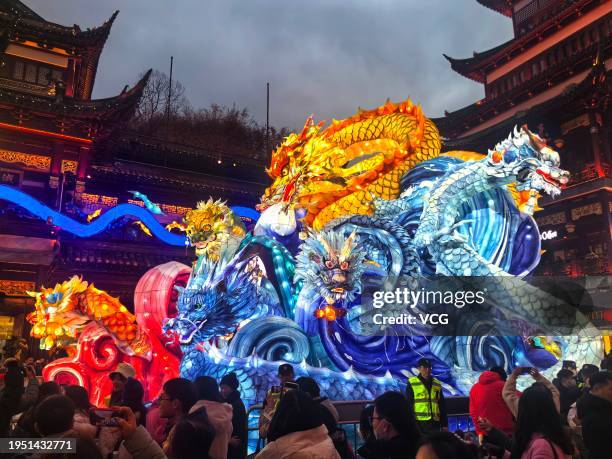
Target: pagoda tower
<point>50,129</point>
<point>80,156</point>
<point>553,75</point>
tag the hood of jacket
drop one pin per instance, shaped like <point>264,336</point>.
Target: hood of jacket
<point>220,417</point>
<point>489,377</point>
<point>218,412</point>
<point>312,444</point>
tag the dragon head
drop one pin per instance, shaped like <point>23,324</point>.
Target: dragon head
<point>211,226</point>
<point>332,263</point>
<point>58,318</point>
<point>535,165</point>
<point>299,159</point>
<point>62,313</point>
<point>214,303</point>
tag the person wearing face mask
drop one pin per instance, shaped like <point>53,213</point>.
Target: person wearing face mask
<point>394,426</point>
<point>424,392</point>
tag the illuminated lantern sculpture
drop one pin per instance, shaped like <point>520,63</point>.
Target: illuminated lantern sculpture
<point>98,332</point>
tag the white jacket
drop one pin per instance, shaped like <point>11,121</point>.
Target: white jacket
<point>308,444</point>
<point>82,425</point>
<point>220,416</point>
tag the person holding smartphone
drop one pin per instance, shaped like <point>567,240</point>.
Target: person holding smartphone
<point>286,374</point>
<point>511,395</point>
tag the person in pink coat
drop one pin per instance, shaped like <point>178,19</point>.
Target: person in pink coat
<point>539,430</point>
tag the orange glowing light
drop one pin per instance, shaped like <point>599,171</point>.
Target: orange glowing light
<point>44,133</point>
<point>329,313</point>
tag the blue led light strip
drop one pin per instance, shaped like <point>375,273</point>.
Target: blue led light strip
<point>65,223</point>
<point>246,212</point>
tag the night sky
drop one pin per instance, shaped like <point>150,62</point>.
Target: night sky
<point>325,57</point>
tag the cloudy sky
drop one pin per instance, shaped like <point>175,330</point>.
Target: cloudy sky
<point>325,57</point>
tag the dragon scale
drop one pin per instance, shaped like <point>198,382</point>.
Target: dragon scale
<point>386,186</point>
<point>334,172</point>
<point>454,256</point>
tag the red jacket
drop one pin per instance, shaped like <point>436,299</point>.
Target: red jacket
<point>486,401</point>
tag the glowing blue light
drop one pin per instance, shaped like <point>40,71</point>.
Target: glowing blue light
<point>100,224</point>
<point>246,212</point>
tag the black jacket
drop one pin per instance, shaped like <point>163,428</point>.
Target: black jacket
<point>397,448</point>
<point>567,396</point>
<point>596,416</point>
<point>192,433</point>
<point>239,425</point>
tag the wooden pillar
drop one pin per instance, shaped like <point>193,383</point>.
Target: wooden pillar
<point>594,129</point>
<point>84,153</point>
<point>56,158</point>
<point>605,141</point>
<point>56,170</point>
<point>607,222</point>
<point>70,77</point>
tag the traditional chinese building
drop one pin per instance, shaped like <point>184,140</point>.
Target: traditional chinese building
<point>75,154</point>
<point>554,75</point>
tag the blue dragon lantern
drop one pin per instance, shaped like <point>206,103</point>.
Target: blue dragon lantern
<point>298,294</point>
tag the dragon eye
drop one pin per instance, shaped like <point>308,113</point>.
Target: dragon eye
<point>330,264</point>
<point>206,227</point>
<point>344,265</point>
<point>197,306</point>
<point>285,171</point>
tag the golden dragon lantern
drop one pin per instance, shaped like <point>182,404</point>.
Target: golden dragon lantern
<point>63,312</point>
<point>212,228</point>
<point>335,171</point>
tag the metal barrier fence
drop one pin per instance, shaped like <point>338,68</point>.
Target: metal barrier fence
<point>349,412</point>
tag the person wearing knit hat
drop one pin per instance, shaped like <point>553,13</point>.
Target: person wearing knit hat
<point>229,391</point>
<point>230,380</point>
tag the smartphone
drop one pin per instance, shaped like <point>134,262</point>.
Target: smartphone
<point>275,389</point>
<point>289,386</point>
<point>104,417</point>
<point>525,370</point>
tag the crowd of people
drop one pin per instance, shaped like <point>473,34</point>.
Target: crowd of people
<point>566,418</point>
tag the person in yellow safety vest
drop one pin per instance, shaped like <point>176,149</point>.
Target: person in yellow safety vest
<point>424,392</point>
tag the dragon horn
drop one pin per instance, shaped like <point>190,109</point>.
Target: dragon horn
<point>325,244</point>
<point>348,246</point>
<point>309,122</point>
<point>535,140</point>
